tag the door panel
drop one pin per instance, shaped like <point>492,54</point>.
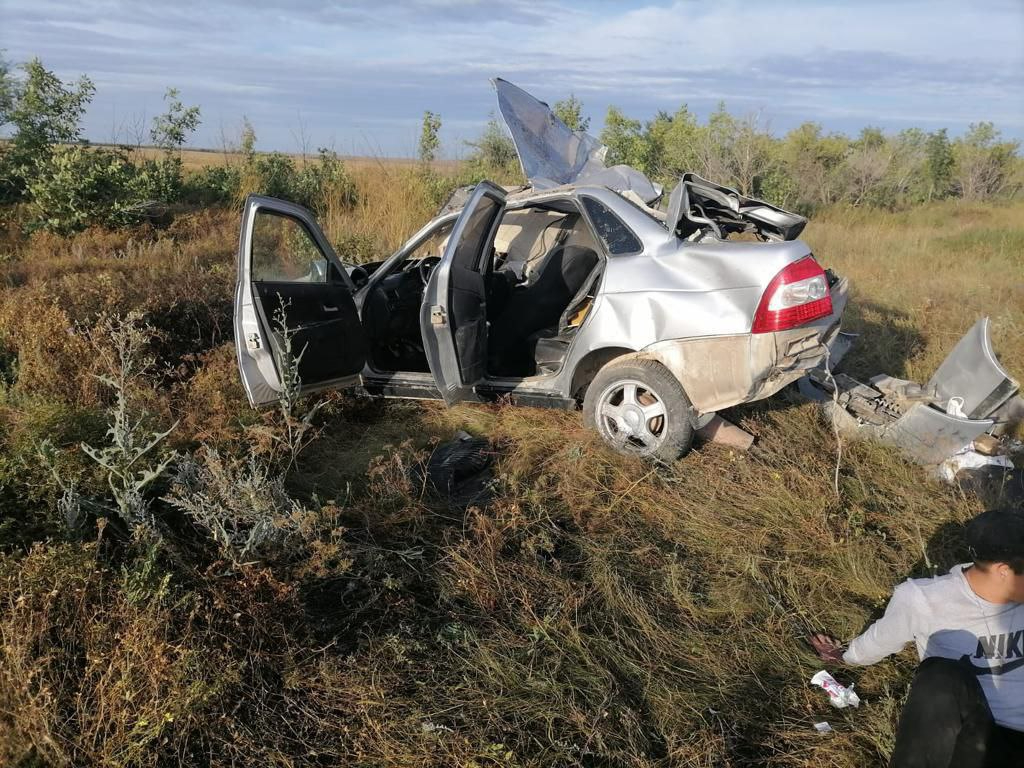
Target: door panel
<point>290,280</point>
<point>320,319</point>
<point>454,312</point>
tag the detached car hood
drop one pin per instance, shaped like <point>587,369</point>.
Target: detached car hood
<point>552,154</point>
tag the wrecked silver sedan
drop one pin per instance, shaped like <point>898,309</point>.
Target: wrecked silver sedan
<point>574,291</point>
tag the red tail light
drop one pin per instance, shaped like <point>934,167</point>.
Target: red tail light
<point>797,295</point>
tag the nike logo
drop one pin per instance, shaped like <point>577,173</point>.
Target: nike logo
<point>1001,669</point>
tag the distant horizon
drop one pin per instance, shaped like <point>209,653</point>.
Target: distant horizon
<point>312,151</point>
<point>358,80</point>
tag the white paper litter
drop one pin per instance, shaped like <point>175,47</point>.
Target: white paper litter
<point>970,459</point>
<point>839,695</point>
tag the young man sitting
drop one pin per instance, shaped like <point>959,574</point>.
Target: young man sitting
<point>966,703</point>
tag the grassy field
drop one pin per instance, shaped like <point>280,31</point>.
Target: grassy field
<point>599,611</point>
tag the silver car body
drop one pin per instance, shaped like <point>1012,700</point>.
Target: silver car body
<point>685,301</point>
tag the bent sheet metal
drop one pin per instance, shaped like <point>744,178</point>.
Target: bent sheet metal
<point>968,396</point>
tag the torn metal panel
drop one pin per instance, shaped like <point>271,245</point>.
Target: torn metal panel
<point>919,420</point>
<point>928,435</point>
<point>922,433</point>
<point>972,372</point>
<point>552,154</point>
<point>697,205</point>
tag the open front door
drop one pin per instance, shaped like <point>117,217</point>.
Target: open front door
<point>453,317</point>
<point>290,278</point>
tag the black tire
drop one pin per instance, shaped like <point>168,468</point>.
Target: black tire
<point>622,404</point>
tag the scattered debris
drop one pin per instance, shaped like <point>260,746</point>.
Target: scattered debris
<point>823,727</point>
<point>970,459</point>
<point>428,727</point>
<point>987,445</point>
<point>959,421</point>
<point>460,470</point>
<point>839,695</point>
<point>718,430</point>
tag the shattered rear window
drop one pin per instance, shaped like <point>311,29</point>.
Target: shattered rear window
<point>617,237</point>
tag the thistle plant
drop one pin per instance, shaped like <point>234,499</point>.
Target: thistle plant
<point>294,431</point>
<point>130,459</point>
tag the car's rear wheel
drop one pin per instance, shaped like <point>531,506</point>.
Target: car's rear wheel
<point>640,409</point>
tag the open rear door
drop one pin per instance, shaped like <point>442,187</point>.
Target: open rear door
<point>291,282</point>
<point>453,317</point>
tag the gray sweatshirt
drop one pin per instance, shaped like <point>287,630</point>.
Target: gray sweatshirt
<point>946,618</point>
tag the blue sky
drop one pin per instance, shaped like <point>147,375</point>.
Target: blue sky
<point>358,75</point>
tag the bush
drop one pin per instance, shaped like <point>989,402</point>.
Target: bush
<point>325,184</point>
<point>242,505</point>
<point>75,187</point>
<point>213,185</point>
<point>322,185</point>
<point>493,157</point>
<point>45,113</point>
<point>69,186</point>
<point>158,181</point>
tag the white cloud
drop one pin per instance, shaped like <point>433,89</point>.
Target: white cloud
<point>367,67</point>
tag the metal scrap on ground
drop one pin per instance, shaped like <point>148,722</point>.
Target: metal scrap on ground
<point>960,422</point>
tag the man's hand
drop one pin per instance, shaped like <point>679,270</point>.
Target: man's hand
<point>828,648</point>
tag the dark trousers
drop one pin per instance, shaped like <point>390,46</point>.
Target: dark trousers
<point>947,723</point>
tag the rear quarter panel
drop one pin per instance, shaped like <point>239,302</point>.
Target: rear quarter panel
<point>691,306</point>
<point>680,290</point>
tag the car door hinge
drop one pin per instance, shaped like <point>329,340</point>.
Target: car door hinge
<point>252,341</point>
<point>437,315</point>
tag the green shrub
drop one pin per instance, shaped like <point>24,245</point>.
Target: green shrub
<point>213,185</point>
<point>74,187</point>
<point>493,157</point>
<point>45,113</point>
<point>325,184</point>
<point>322,185</point>
<point>158,181</point>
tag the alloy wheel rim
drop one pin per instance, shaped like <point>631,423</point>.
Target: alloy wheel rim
<point>632,416</point>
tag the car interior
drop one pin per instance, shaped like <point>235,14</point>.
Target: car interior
<point>541,282</point>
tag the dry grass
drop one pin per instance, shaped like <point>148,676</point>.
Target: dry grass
<point>923,277</point>
<point>597,612</point>
<point>393,202</point>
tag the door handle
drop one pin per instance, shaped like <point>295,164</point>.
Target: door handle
<point>328,308</point>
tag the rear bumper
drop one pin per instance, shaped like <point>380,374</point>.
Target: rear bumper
<point>722,371</point>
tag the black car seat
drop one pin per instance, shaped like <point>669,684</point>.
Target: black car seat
<point>537,305</point>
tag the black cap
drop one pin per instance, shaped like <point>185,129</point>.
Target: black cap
<point>996,535</point>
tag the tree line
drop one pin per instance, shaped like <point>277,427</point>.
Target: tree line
<point>806,169</point>
<point>63,185</point>
<point>60,183</point>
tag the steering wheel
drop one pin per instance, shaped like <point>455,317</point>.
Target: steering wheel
<point>425,266</point>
